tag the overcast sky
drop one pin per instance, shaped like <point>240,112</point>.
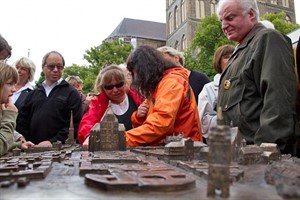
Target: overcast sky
<point>71,26</point>
<point>68,26</point>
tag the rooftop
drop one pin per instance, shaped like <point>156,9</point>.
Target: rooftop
<point>140,29</point>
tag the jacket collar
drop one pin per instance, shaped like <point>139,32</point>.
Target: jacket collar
<point>256,28</point>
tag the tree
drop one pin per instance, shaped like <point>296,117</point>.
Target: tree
<point>109,52</point>
<point>208,37</point>
<point>85,75</point>
<point>41,79</point>
<point>278,20</point>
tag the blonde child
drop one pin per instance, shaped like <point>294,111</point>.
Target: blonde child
<point>8,111</point>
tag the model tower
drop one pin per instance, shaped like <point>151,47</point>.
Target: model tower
<point>219,158</point>
<point>108,135</point>
<point>71,138</point>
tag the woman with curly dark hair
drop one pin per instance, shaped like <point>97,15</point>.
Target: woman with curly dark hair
<point>169,108</point>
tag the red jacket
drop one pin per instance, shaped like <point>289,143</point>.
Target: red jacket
<point>97,108</point>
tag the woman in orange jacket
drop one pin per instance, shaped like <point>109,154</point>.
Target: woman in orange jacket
<point>169,108</point>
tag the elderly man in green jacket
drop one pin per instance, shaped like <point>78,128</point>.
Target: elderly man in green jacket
<point>258,88</point>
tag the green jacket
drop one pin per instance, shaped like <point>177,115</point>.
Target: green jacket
<point>7,127</point>
<point>257,91</point>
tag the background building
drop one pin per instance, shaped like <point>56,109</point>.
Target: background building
<point>140,32</point>
<point>183,17</point>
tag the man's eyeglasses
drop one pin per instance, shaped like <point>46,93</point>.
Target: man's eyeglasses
<point>110,87</point>
<point>52,67</point>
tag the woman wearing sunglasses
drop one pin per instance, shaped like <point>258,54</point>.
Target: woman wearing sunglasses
<point>111,86</point>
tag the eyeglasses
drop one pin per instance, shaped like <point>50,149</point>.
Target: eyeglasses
<point>110,87</point>
<point>52,67</point>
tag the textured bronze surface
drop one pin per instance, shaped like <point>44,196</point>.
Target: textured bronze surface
<point>285,175</point>
<point>219,159</point>
<point>164,181</point>
<point>76,174</point>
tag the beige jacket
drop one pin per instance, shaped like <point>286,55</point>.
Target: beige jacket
<point>7,127</point>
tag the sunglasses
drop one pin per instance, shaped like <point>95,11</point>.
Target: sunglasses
<point>52,67</point>
<point>110,87</point>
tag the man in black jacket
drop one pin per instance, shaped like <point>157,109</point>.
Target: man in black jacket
<point>45,116</point>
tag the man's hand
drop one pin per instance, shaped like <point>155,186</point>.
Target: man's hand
<point>26,145</point>
<point>46,143</point>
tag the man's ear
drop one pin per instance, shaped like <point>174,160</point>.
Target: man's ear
<point>252,14</point>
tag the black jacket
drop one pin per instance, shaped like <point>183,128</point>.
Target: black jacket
<point>48,118</point>
<point>197,80</point>
<point>20,101</point>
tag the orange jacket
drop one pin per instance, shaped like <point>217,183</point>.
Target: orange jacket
<point>173,110</point>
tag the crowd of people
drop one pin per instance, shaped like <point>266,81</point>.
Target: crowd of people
<point>155,96</point>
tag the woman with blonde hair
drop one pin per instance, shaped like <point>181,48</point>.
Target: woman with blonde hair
<point>110,86</point>
<point>26,71</point>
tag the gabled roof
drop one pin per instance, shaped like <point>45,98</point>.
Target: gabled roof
<point>140,29</point>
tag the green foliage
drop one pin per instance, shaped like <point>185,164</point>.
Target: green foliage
<point>278,20</point>
<point>109,52</point>
<point>85,75</point>
<point>208,37</point>
<point>41,79</point>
